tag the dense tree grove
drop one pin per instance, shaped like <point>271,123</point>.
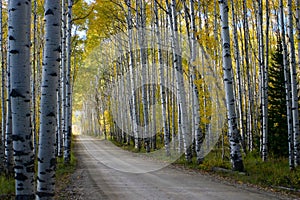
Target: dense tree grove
<point>31,48</point>
<point>177,77</point>
<point>182,45</point>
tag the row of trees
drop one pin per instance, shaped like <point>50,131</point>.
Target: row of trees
<point>36,93</point>
<point>163,71</point>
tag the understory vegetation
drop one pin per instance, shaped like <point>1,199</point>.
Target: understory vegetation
<point>63,172</point>
<point>7,187</point>
<point>274,173</point>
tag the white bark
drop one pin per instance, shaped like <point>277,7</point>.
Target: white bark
<point>238,77</point>
<point>59,131</point>
<point>287,88</point>
<point>19,64</point>
<point>131,73</point>
<point>48,120</point>
<point>235,148</point>
<point>196,107</point>
<point>161,82</point>
<point>8,127</point>
<point>294,84</point>
<point>263,84</point>
<point>33,78</point>
<point>63,69</point>
<point>61,87</point>
<point>68,108</point>
<point>266,78</point>
<point>3,110</point>
<point>250,94</point>
<point>181,96</point>
<point>141,26</point>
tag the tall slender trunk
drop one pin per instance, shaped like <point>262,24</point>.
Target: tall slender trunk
<point>59,132</point>
<point>287,88</point>
<point>196,107</point>
<point>19,64</point>
<point>153,78</point>
<point>153,99</point>
<point>250,94</point>
<point>68,109</point>
<point>263,84</point>
<point>266,68</point>
<point>239,77</point>
<point>181,96</point>
<point>189,93</point>
<point>8,126</point>
<point>33,78</point>
<point>48,119</point>
<point>234,137</point>
<point>137,78</point>
<point>3,110</point>
<point>173,106</point>
<point>294,84</point>
<point>63,69</point>
<point>61,88</point>
<point>141,26</point>
<point>162,88</point>
<point>131,72</point>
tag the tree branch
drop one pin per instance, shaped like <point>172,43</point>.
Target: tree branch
<point>83,17</point>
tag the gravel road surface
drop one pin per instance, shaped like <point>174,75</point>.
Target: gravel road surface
<point>108,172</point>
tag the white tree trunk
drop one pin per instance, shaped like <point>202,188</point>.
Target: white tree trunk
<point>8,127</point>
<point>19,64</point>
<point>68,108</point>
<point>33,79</point>
<point>3,110</point>
<point>181,95</point>
<point>238,77</point>
<point>196,107</point>
<point>48,116</point>
<point>59,131</point>
<point>294,84</point>
<point>141,26</point>
<point>287,88</point>
<point>266,76</point>
<point>263,84</point>
<point>131,73</point>
<point>234,137</point>
<point>161,82</point>
<point>250,94</point>
<point>63,70</point>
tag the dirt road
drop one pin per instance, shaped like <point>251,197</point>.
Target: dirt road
<point>112,173</point>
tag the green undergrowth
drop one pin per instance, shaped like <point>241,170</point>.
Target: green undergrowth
<point>126,146</point>
<point>64,169</point>
<point>273,174</point>
<point>7,187</point>
<point>63,173</point>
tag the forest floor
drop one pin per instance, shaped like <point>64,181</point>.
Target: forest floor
<point>81,185</point>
